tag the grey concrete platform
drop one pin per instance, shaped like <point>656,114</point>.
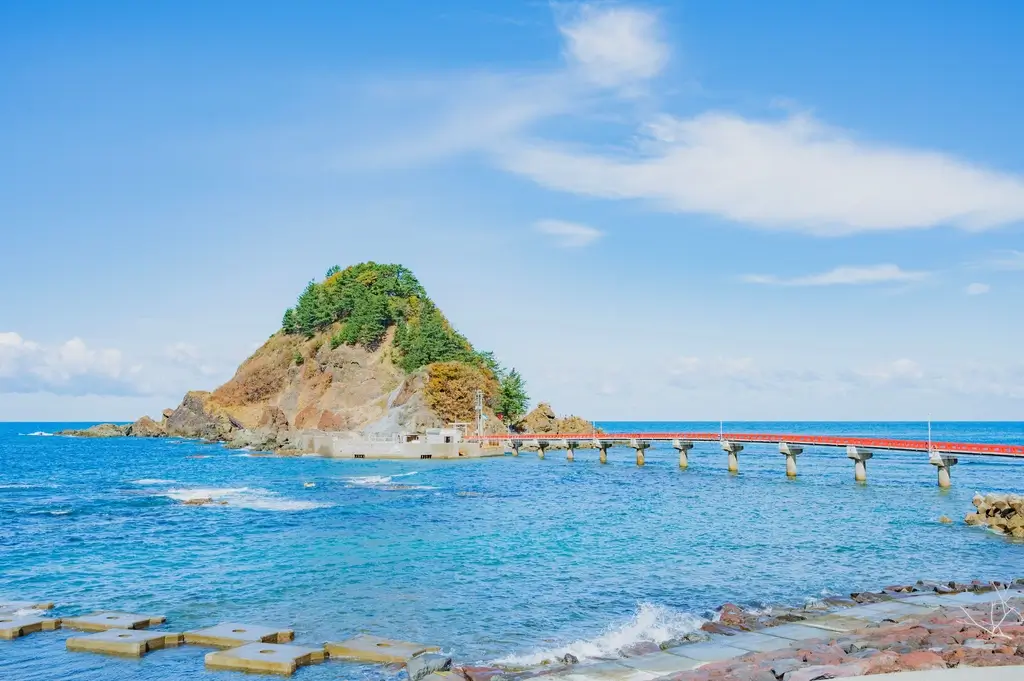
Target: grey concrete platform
<point>8,607</point>
<point>796,632</point>
<point>837,623</point>
<point>265,658</point>
<point>16,626</point>
<point>233,634</point>
<point>876,612</point>
<point>711,651</point>
<point>366,648</point>
<point>126,642</point>
<point>1015,673</point>
<point>660,663</point>
<point>608,671</point>
<point>102,621</point>
<point>750,641</point>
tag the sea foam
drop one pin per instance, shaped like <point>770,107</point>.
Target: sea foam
<point>651,623</point>
<point>385,482</point>
<point>253,498</point>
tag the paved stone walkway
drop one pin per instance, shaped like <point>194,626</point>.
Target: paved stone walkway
<point>722,647</point>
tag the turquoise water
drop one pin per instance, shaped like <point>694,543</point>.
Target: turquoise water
<point>495,559</point>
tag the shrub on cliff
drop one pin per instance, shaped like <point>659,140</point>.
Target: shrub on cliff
<point>451,390</point>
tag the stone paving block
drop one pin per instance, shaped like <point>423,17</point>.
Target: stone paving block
<point>127,642</point>
<point>752,641</point>
<point>102,621</point>
<point>608,671</point>
<point>876,612</point>
<point>266,658</point>
<point>365,648</point>
<point>795,632</point>
<point>836,623</point>
<point>7,607</point>
<point>233,634</point>
<point>661,663</point>
<point>969,598</point>
<point>711,651</point>
<point>16,626</point>
<point>933,600</point>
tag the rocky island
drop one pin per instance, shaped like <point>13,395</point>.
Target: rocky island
<point>364,352</point>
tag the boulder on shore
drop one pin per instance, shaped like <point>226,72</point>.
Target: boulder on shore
<point>146,427</point>
<point>101,430</point>
<point>1001,513</point>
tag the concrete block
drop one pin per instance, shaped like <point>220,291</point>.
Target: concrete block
<point>126,642</point>
<point>425,664</point>
<point>365,648</point>
<point>265,658</point>
<point>608,671</point>
<point>887,610</point>
<point>233,634</point>
<point>795,632</point>
<point>8,607</point>
<point>750,641</point>
<point>711,651</point>
<point>101,621</point>
<point>661,663</point>
<point>16,626</point>
<point>837,623</point>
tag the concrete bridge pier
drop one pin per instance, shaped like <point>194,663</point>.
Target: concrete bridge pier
<point>732,449</point>
<point>943,462</point>
<point>683,447</point>
<point>790,452</point>
<point>860,458</point>
<point>602,446</point>
<point>570,449</point>
<point>640,446</point>
<point>541,446</point>
<point>515,445</point>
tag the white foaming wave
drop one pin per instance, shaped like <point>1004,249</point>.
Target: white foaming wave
<point>38,433</point>
<point>152,481</point>
<point>385,482</point>
<point>651,623</point>
<point>253,498</point>
<point>26,485</point>
<point>51,512</point>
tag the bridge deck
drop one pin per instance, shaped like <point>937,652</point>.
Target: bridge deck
<point>984,449</point>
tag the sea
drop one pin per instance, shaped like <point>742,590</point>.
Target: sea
<point>514,560</point>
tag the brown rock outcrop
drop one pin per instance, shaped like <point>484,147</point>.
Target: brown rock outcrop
<point>544,420</point>
<point>198,416</point>
<point>1002,513</point>
<point>146,427</point>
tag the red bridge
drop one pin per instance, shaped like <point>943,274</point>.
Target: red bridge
<point>761,438</point>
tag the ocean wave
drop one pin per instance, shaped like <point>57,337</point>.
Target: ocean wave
<point>38,433</point>
<point>54,512</point>
<point>253,498</point>
<point>152,481</point>
<point>651,623</point>
<point>25,485</point>
<point>385,482</point>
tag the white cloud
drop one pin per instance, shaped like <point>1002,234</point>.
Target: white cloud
<point>790,174</point>
<point>1008,260</point>
<point>613,46</point>
<point>568,234</point>
<point>71,368</point>
<point>849,276</point>
<point>977,289</point>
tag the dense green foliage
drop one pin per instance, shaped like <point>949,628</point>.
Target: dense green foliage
<point>368,298</point>
<point>512,398</point>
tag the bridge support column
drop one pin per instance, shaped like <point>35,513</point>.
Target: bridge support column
<point>602,446</point>
<point>570,449</point>
<point>541,446</point>
<point>790,452</point>
<point>515,444</point>
<point>943,462</point>
<point>860,458</point>
<point>640,446</point>
<point>732,449</point>
<point>683,447</point>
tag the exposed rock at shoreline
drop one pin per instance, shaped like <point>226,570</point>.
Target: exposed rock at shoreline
<point>1002,513</point>
<point>544,420</point>
<point>101,430</point>
<point>146,427</point>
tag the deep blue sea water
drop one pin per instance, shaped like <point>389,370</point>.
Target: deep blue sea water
<point>494,559</point>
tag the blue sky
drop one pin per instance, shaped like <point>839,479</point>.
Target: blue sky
<point>686,210</point>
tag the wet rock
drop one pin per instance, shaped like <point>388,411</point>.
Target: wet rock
<point>718,628</point>
<point>424,664</point>
<point>837,671</point>
<point>570,659</point>
<point>196,417</point>
<point>197,502</point>
<point>640,648</point>
<point>945,520</point>
<point>471,673</point>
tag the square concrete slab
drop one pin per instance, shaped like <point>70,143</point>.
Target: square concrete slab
<point>365,648</point>
<point>836,623</point>
<point>990,597</point>
<point>127,642</point>
<point>102,621</point>
<point>232,634</point>
<point>7,607</point>
<point>932,600</point>
<point>796,632</point>
<point>751,641</point>
<point>712,651</point>
<point>608,671</point>
<point>876,612</point>
<point>267,658</point>
<point>661,663</point>
<point>13,626</point>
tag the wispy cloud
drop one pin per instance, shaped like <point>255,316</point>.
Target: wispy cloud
<point>843,276</point>
<point>1008,260</point>
<point>793,173</point>
<point>977,289</point>
<point>568,234</point>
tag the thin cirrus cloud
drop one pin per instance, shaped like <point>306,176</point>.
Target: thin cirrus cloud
<point>568,234</point>
<point>791,173</point>
<point>977,289</point>
<point>843,276</point>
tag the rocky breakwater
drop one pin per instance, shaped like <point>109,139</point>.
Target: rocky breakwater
<point>1001,513</point>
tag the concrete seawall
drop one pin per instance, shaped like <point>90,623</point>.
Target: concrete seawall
<point>341,446</point>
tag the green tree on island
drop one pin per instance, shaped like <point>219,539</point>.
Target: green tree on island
<point>512,397</point>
